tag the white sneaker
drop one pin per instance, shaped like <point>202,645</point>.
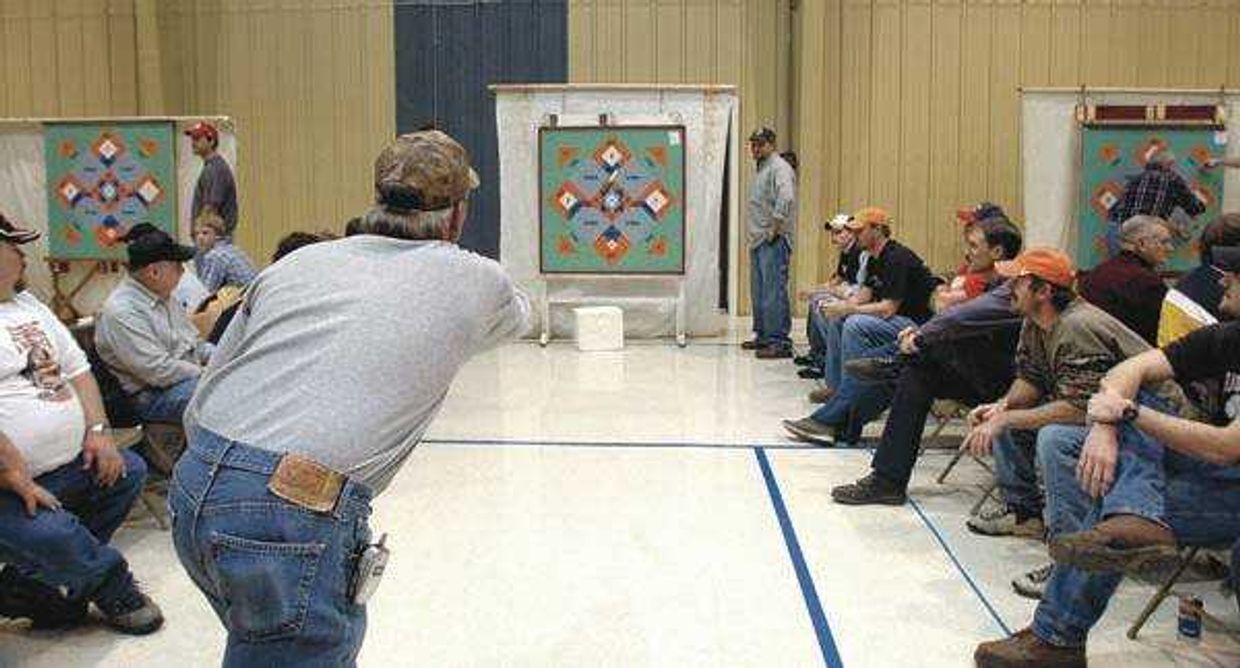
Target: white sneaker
<point>1033,584</point>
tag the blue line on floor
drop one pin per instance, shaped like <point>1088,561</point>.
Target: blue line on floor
<point>964,572</point>
<point>633,444</point>
<point>826,642</point>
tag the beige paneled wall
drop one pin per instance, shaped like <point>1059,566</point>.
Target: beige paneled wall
<point>67,58</point>
<point>746,43</point>
<point>310,85</point>
<point>913,104</point>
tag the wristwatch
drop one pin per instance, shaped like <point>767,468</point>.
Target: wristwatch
<point>1130,412</point>
<point>98,428</point>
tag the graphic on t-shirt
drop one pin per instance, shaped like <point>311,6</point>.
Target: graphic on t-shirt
<point>41,370</point>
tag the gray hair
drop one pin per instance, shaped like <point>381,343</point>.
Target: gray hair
<point>416,225</point>
<point>1139,227</point>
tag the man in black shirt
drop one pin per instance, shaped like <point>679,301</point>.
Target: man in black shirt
<point>1145,482</point>
<point>895,295</point>
<point>823,333</point>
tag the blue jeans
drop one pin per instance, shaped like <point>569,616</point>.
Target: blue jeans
<point>829,331</point>
<point>768,288</point>
<point>1016,467</point>
<point>69,547</point>
<point>1199,501</point>
<point>166,404</point>
<point>856,403</point>
<point>276,573</point>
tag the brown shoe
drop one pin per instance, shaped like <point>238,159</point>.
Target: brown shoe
<point>1127,543</point>
<point>751,345</point>
<point>821,395</point>
<point>1025,650</point>
<point>773,353</point>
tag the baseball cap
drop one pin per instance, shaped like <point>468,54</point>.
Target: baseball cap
<point>203,129</point>
<point>839,222</point>
<point>14,234</point>
<point>763,134</point>
<point>870,215</point>
<point>423,171</point>
<point>975,214</point>
<point>1049,264</point>
<point>1226,258</point>
<point>149,244</point>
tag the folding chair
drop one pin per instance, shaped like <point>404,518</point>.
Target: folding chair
<point>1187,554</point>
<point>127,437</point>
<point>944,412</point>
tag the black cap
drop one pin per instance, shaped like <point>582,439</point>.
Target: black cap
<point>149,244</point>
<point>763,134</point>
<point>14,234</point>
<point>1226,258</point>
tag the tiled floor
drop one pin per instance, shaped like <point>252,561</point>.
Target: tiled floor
<point>644,508</point>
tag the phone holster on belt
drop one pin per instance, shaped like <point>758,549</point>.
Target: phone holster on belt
<point>306,483</point>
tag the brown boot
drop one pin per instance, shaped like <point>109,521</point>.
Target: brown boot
<point>1127,543</point>
<point>752,344</point>
<point>821,395</point>
<point>1025,650</point>
<point>773,353</point>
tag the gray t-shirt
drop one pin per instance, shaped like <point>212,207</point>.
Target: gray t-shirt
<point>343,351</point>
<point>216,187</point>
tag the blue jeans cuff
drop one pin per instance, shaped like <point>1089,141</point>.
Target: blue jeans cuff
<point>1058,630</point>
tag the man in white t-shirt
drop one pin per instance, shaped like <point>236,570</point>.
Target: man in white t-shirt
<point>64,487</point>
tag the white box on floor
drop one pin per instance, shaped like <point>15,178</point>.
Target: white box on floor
<point>599,328</point>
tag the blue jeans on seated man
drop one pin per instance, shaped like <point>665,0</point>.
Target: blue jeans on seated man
<point>828,331</point>
<point>164,404</point>
<point>855,403</point>
<point>69,547</point>
<point>277,574</point>
<point>768,289</point>
<point>1199,501</point>
<point>1016,469</point>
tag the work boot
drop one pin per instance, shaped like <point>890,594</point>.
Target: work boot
<point>870,490</point>
<point>809,373</point>
<point>773,352</point>
<point>1033,584</point>
<point>821,395</point>
<point>805,360</point>
<point>1127,543</point>
<point>1025,650</point>
<point>809,429</point>
<point>875,369</point>
<point>752,344</point>
<point>44,606</point>
<point>1005,521</point>
<point>132,612</point>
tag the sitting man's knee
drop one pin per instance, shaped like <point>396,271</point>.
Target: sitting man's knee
<point>1058,441</point>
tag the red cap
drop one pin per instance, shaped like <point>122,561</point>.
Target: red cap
<point>1049,264</point>
<point>203,129</point>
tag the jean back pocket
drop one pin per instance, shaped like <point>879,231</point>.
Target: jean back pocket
<point>266,586</point>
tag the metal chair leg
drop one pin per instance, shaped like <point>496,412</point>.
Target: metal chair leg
<point>950,465</point>
<point>987,492</point>
<point>1165,590</point>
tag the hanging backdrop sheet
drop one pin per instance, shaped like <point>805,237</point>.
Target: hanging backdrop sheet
<point>104,178</point>
<point>1111,154</point>
<point>612,200</point>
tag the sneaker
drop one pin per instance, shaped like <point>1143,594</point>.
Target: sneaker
<point>809,429</point>
<point>805,360</point>
<point>752,344</point>
<point>1025,650</point>
<point>1002,521</point>
<point>870,490</point>
<point>773,353</point>
<point>809,373</point>
<point>1033,584</point>
<point>875,369</point>
<point>821,395</point>
<point>44,606</point>
<point>1127,543</point>
<point>133,613</point>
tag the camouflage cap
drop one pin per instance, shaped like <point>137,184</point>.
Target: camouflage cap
<point>423,171</point>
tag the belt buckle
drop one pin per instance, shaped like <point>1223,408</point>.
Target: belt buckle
<point>306,483</point>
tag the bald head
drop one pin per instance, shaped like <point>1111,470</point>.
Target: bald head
<point>1147,237</point>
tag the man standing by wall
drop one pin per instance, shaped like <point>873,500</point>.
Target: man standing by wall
<point>771,227</point>
<point>216,189</point>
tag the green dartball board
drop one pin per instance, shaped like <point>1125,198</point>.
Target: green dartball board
<point>103,179</point>
<point>1110,154</point>
<point>612,200</point>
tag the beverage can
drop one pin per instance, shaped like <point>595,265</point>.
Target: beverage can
<point>1189,622</point>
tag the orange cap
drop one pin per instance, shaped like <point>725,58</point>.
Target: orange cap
<point>871,215</point>
<point>1049,264</point>
<point>966,215</point>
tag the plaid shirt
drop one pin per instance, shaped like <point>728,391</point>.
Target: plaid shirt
<point>1156,191</point>
<point>224,264</point>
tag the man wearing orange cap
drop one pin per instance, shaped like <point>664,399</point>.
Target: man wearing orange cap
<point>216,189</point>
<point>1144,482</point>
<point>895,295</point>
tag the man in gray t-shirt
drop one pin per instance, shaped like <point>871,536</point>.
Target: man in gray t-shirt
<point>335,364</point>
<point>216,189</point>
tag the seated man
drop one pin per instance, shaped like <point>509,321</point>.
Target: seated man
<point>1145,481</point>
<point>1201,284</point>
<point>144,336</point>
<point>1128,285</point>
<point>218,262</point>
<point>964,353</point>
<point>850,269</point>
<point>64,487</point>
<point>967,284</point>
<point>896,295</point>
